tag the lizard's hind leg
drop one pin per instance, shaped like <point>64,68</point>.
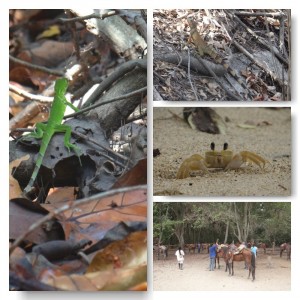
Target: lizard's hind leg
<point>37,133</point>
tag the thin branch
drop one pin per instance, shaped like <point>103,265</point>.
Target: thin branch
<point>116,75</point>
<point>129,95</point>
<point>189,75</point>
<point>281,37</point>
<point>72,28</point>
<point>36,67</point>
<point>258,38</point>
<point>258,14</point>
<point>124,158</point>
<point>229,93</point>
<point>24,116</point>
<point>28,95</point>
<point>91,16</point>
<point>262,66</point>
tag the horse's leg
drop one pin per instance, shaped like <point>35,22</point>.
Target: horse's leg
<point>253,274</point>
<point>232,267</point>
<point>246,264</point>
<point>226,264</point>
<point>252,266</point>
<point>249,268</point>
<point>217,260</point>
<point>229,268</point>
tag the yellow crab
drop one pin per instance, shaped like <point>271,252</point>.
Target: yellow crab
<point>218,159</point>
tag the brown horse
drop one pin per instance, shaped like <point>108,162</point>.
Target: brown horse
<point>161,251</point>
<point>218,256</point>
<point>263,246</point>
<point>190,247</point>
<point>227,252</point>
<point>205,247</point>
<point>286,247</point>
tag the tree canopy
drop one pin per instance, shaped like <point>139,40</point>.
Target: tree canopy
<point>193,222</point>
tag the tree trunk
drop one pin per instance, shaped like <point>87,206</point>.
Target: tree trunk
<point>226,232</point>
<point>242,218</point>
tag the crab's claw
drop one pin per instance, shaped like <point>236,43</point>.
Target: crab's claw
<point>193,163</point>
<point>244,157</point>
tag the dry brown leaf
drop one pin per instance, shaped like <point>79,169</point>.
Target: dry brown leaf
<point>113,280</point>
<point>130,252</point>
<point>14,187</point>
<point>48,54</point>
<point>94,219</point>
<point>22,214</point>
<point>136,176</point>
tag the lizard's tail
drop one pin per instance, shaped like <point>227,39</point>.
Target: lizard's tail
<point>45,141</point>
<point>34,174</point>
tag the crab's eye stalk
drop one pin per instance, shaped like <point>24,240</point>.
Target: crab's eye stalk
<point>225,147</point>
<point>212,146</point>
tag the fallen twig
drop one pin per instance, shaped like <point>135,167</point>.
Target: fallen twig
<point>36,67</point>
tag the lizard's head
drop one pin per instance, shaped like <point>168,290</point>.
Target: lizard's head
<point>61,86</point>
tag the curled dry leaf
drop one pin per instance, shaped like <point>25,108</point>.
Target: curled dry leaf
<point>130,252</point>
<point>120,266</point>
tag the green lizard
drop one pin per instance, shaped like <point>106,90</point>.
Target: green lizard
<point>46,131</point>
<point>203,48</point>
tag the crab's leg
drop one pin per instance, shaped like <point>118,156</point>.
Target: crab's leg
<point>193,163</point>
<point>253,157</point>
<point>246,156</point>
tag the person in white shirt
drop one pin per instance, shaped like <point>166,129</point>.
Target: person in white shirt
<point>180,257</point>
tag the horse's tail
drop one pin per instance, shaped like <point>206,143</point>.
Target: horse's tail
<point>253,260</point>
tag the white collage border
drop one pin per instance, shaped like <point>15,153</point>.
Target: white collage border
<point>150,5</point>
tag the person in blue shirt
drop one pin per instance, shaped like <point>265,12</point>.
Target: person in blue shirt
<point>254,250</point>
<point>212,256</point>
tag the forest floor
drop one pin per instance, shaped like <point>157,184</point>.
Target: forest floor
<point>272,274</point>
<point>270,137</point>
